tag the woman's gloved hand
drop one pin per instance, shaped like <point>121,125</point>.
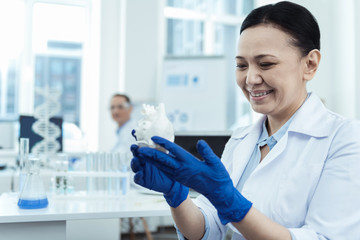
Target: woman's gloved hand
<point>149,176</point>
<point>208,177</point>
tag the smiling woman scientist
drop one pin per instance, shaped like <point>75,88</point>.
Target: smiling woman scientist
<point>295,174</point>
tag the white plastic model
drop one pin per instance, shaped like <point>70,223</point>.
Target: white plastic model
<point>153,123</point>
<point>42,126</point>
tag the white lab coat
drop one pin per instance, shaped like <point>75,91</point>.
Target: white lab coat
<point>309,182</point>
<point>124,138</point>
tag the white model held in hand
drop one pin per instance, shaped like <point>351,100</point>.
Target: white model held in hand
<point>153,123</point>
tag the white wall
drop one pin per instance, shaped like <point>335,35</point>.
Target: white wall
<point>357,56</point>
<point>109,69</point>
<point>144,48</point>
<point>335,80</point>
<point>130,52</point>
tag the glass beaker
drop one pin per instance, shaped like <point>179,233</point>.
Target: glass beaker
<point>33,194</point>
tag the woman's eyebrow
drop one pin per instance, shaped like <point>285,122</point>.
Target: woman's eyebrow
<point>263,55</point>
<point>256,57</point>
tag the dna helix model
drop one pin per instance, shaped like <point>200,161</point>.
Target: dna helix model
<point>42,126</point>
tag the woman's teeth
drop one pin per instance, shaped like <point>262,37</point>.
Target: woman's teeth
<point>259,94</point>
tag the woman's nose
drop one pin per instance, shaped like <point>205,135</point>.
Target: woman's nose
<point>253,77</point>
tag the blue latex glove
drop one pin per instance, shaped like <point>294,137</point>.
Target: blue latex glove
<point>148,176</point>
<point>133,134</point>
<point>208,177</point>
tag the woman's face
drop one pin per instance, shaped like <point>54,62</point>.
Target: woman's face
<point>270,71</point>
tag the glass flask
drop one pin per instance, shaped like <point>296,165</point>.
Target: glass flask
<point>33,194</point>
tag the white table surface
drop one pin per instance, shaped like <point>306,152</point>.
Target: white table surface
<point>135,204</point>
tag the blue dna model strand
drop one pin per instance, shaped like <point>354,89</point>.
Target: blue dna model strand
<point>43,127</point>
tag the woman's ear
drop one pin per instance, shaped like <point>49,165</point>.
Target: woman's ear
<point>311,64</point>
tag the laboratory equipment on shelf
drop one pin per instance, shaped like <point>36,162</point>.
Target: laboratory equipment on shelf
<point>107,174</point>
<point>33,194</point>
<point>62,183</point>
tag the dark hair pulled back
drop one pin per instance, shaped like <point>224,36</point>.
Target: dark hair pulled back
<point>291,18</point>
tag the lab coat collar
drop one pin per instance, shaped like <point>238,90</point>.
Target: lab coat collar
<point>309,118</point>
<point>305,119</point>
<point>254,129</point>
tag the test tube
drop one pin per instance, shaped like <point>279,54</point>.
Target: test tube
<point>107,169</point>
<point>102,184</point>
<point>116,169</point>
<point>61,178</point>
<point>64,168</point>
<point>90,168</point>
<point>125,183</point>
<point>59,188</point>
<point>96,170</point>
<point>23,158</point>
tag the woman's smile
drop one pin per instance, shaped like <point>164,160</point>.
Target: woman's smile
<point>258,95</point>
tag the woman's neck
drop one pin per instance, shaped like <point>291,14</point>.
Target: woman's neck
<point>274,123</point>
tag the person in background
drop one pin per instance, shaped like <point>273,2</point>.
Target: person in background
<point>121,109</point>
<point>294,174</point>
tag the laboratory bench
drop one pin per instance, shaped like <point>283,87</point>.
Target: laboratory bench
<point>77,217</point>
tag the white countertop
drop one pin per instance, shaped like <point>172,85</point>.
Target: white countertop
<point>135,204</point>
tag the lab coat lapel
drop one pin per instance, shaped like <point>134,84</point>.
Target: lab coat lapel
<point>274,153</point>
<point>301,124</point>
<point>243,151</point>
<point>309,119</point>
